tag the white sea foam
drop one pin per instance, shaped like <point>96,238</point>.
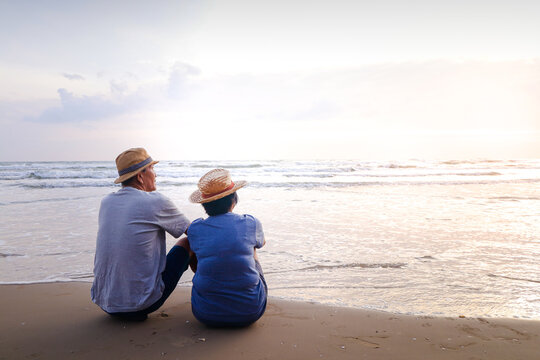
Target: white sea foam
<point>276,173</point>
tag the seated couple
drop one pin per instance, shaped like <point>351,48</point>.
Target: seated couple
<point>133,275</point>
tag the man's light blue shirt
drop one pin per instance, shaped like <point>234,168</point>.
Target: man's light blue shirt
<point>131,248</point>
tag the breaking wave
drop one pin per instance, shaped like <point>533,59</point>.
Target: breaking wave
<point>347,266</point>
<point>280,174</point>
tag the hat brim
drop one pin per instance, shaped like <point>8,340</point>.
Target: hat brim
<point>133,173</point>
<point>197,196</point>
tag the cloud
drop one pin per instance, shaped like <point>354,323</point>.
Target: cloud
<point>425,97</point>
<point>179,79</point>
<point>127,94</point>
<point>435,109</point>
<point>83,108</point>
<point>118,87</point>
<point>73,76</point>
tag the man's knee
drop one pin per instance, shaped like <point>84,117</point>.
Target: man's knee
<point>183,242</point>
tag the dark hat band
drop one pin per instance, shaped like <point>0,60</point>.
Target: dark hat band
<point>204,196</point>
<point>134,167</point>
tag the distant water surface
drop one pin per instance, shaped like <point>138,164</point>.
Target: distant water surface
<point>422,237</point>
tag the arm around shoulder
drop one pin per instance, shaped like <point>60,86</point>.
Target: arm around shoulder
<point>170,218</point>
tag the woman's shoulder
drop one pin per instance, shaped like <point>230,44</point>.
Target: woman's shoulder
<point>243,217</point>
<point>254,228</point>
<point>251,221</point>
<point>228,218</point>
<point>195,224</point>
<point>251,218</point>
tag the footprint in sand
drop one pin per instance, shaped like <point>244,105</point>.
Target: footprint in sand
<point>476,332</point>
<point>448,346</point>
<point>273,310</point>
<point>182,342</point>
<point>506,332</point>
<point>367,343</point>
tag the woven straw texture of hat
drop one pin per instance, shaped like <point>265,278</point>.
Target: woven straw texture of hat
<point>215,185</point>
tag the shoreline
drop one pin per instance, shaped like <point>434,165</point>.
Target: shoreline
<point>294,300</point>
<point>58,320</point>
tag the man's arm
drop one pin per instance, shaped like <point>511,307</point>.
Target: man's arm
<point>168,217</point>
<point>184,242</point>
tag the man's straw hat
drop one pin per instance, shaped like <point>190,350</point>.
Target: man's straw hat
<point>131,162</point>
<point>214,185</point>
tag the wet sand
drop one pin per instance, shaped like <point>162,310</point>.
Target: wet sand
<point>59,321</point>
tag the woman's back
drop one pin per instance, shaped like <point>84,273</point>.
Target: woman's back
<point>228,285</point>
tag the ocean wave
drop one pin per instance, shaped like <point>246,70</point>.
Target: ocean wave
<point>52,176</point>
<point>356,265</point>
<point>339,287</point>
<point>79,276</point>
<point>282,174</point>
<point>343,184</point>
<point>285,184</point>
<point>64,185</point>
<point>397,166</point>
<point>489,173</point>
<point>176,183</point>
<point>332,169</point>
<point>58,279</point>
<point>322,176</point>
<point>427,174</point>
<point>20,202</point>
<point>482,164</point>
<point>472,162</point>
<point>515,198</point>
<point>4,255</point>
<point>226,166</point>
<point>426,258</point>
<point>64,253</point>
<point>346,266</point>
<point>514,278</point>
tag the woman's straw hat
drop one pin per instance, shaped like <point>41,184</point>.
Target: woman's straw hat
<point>215,185</point>
<point>131,162</point>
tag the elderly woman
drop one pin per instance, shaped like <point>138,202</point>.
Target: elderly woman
<point>228,287</point>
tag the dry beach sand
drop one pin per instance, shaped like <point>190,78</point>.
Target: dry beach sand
<point>58,321</point>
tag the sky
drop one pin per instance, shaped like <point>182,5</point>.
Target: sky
<point>238,79</point>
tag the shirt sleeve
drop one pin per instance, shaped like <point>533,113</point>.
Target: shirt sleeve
<point>259,235</point>
<point>170,218</point>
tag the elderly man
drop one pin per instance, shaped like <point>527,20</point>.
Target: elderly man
<point>133,275</point>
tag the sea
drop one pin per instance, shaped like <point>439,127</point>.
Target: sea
<point>437,238</point>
